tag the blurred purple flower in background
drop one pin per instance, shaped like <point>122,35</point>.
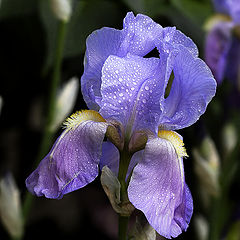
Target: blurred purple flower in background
<point>222,49</point>
<point>127,94</point>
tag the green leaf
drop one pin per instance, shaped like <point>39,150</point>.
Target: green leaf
<point>197,11</point>
<point>142,230</point>
<point>234,232</point>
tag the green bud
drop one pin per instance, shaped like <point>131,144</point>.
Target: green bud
<point>112,186</point>
<point>66,99</point>
<point>62,9</point>
<point>138,141</point>
<point>10,207</point>
<point>142,230</point>
<point>206,166</point>
<point>114,136</point>
<point>229,139</point>
<point>201,226</point>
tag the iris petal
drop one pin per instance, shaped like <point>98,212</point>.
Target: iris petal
<point>72,162</point>
<point>169,44</point>
<point>217,46</point>
<point>172,40</point>
<point>157,187</point>
<point>137,37</point>
<point>233,61</point>
<point>100,44</point>
<point>229,7</point>
<point>142,32</point>
<point>131,90</point>
<point>221,6</point>
<point>234,7</point>
<point>110,158</point>
<point>192,89</point>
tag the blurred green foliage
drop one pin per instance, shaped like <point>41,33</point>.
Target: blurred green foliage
<point>189,16</point>
<point>89,15</point>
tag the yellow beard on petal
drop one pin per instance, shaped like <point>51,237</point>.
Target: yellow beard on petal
<point>82,116</point>
<point>175,140</point>
<point>73,121</point>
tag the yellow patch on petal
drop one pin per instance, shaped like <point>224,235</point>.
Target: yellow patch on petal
<point>213,20</point>
<point>82,116</point>
<point>176,141</point>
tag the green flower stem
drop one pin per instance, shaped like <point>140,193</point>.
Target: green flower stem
<point>125,158</point>
<point>48,134</point>
<point>122,227</point>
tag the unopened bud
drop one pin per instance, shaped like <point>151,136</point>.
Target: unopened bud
<point>210,153</point>
<point>138,141</point>
<point>206,166</point>
<point>229,139</point>
<point>114,134</point>
<point>142,230</point>
<point>112,187</point>
<point>62,9</point>
<point>65,102</point>
<point>10,207</point>
<point>202,227</point>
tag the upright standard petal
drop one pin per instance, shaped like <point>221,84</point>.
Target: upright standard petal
<point>142,32</point>
<point>234,6</point>
<point>110,158</point>
<point>131,90</point>
<point>172,40</point>
<point>222,6</point>
<point>192,89</point>
<point>73,160</point>
<point>229,7</point>
<point>100,44</point>
<point>233,61</point>
<point>169,44</point>
<point>136,37</point>
<point>157,188</point>
<point>217,46</point>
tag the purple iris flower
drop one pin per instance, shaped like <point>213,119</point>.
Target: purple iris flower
<point>126,94</point>
<point>222,49</point>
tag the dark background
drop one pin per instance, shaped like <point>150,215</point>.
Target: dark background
<point>27,34</point>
